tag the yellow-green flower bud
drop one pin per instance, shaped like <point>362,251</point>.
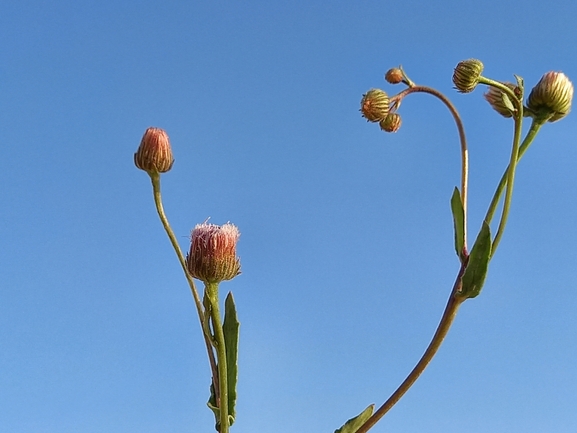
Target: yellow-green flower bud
<point>154,153</point>
<point>212,257</point>
<point>495,98</point>
<point>375,105</point>
<point>394,76</point>
<point>466,75</point>
<point>552,95</point>
<point>391,123</point>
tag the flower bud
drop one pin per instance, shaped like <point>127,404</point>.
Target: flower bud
<point>495,97</point>
<point>466,75</point>
<point>394,76</point>
<point>552,95</point>
<point>154,153</point>
<point>375,105</point>
<point>391,123</point>
<point>212,256</point>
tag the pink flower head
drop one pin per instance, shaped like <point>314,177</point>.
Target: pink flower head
<point>154,153</point>
<point>212,257</point>
<point>552,95</point>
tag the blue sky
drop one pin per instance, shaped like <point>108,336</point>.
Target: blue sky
<point>346,246</point>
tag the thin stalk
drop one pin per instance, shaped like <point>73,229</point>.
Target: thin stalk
<point>533,130</point>
<point>211,291</point>
<point>510,182</point>
<point>462,139</point>
<point>155,178</point>
<point>447,319</point>
<point>518,118</point>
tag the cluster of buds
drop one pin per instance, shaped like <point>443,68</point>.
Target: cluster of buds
<point>550,99</point>
<point>154,154</point>
<point>212,257</point>
<point>375,108</point>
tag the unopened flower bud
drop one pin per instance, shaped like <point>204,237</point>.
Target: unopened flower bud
<point>394,76</point>
<point>466,75</point>
<point>212,256</point>
<point>154,153</point>
<point>552,95</point>
<point>391,123</point>
<point>495,98</point>
<point>375,105</point>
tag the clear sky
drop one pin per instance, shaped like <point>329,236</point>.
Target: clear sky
<point>347,244</point>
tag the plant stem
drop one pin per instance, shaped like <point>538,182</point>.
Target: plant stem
<point>155,178</point>
<point>462,139</point>
<point>533,130</point>
<point>447,319</point>
<point>510,181</point>
<point>211,291</point>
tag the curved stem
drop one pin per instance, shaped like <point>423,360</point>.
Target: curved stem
<point>211,290</point>
<point>155,178</point>
<point>447,319</point>
<point>462,139</point>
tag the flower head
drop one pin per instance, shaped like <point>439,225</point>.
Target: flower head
<point>212,256</point>
<point>375,105</point>
<point>394,76</point>
<point>495,98</point>
<point>391,123</point>
<point>552,96</point>
<point>466,75</point>
<point>154,153</point>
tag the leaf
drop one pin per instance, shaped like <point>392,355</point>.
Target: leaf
<point>520,83</point>
<point>507,102</point>
<point>230,327</point>
<point>476,270</point>
<point>458,222</point>
<point>352,425</point>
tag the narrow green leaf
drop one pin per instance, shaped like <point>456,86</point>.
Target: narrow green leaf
<point>352,425</point>
<point>520,83</point>
<point>507,102</point>
<point>230,327</point>
<point>458,222</point>
<point>476,270</point>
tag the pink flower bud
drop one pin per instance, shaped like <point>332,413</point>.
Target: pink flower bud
<point>495,98</point>
<point>212,256</point>
<point>552,96</point>
<point>154,153</point>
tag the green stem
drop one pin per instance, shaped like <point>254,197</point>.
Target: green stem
<point>510,182</point>
<point>518,118</point>
<point>533,130</point>
<point>506,89</point>
<point>211,291</point>
<point>155,178</point>
<point>463,141</point>
<point>449,315</point>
